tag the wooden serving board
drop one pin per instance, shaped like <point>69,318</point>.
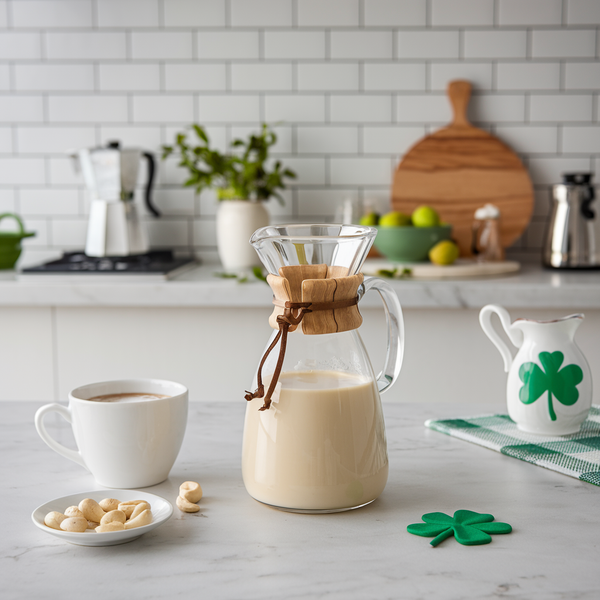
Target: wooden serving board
<point>463,267</point>
<point>459,169</point>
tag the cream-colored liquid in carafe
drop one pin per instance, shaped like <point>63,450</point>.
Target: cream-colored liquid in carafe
<point>321,445</point>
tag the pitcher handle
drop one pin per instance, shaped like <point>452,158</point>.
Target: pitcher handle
<point>395,331</point>
<point>515,336</point>
<point>64,412</point>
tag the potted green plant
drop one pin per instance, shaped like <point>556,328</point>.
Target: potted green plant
<point>242,181</point>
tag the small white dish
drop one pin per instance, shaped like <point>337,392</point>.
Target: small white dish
<point>161,511</point>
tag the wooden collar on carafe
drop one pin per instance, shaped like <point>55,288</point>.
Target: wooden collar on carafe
<point>318,298</point>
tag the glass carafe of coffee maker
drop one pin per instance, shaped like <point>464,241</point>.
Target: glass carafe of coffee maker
<point>314,434</point>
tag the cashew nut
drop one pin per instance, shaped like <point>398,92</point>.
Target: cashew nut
<point>190,491</point>
<point>185,506</point>
<point>109,504</point>
<point>113,515</point>
<point>91,510</point>
<point>139,509</point>
<point>73,511</point>
<point>92,524</point>
<point>77,524</point>
<point>144,518</point>
<point>112,526</point>
<point>54,519</point>
<point>129,507</point>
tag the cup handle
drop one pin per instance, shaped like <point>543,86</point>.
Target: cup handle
<point>516,337</point>
<point>395,331</point>
<point>73,455</point>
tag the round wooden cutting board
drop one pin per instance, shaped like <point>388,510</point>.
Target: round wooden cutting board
<point>460,168</point>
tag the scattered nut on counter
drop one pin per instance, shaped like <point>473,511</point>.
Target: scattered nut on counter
<point>97,516</point>
<point>190,492</point>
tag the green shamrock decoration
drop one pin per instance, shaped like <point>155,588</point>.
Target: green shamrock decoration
<point>560,383</point>
<point>468,527</point>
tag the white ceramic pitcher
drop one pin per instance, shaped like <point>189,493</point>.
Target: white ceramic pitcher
<point>549,390</point>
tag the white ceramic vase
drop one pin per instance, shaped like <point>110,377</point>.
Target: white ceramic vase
<point>237,220</point>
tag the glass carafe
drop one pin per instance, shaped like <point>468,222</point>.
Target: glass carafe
<point>318,443</point>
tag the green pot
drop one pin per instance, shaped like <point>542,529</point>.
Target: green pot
<point>10,243</point>
<point>410,244</point>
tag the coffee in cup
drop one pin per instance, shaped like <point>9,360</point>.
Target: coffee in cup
<point>128,432</point>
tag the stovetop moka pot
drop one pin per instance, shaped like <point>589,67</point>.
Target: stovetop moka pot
<point>573,232</point>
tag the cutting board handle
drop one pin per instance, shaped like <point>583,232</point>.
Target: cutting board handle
<point>459,92</point>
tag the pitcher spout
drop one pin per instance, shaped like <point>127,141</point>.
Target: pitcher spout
<point>566,326</point>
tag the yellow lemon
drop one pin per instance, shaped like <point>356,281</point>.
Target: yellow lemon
<point>444,253</point>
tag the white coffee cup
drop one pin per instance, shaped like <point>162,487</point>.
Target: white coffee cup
<point>123,444</point>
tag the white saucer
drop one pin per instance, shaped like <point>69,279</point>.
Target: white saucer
<point>161,511</point>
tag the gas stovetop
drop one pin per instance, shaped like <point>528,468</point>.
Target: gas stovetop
<point>158,264</point>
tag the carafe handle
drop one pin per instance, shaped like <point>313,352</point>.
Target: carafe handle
<point>515,336</point>
<point>395,331</point>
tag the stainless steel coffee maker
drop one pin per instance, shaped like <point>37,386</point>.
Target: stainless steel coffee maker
<point>115,227</point>
<point>573,233</point>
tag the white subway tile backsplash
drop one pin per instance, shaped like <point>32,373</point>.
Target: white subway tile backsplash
<point>87,109</point>
<point>423,109</point>
<point>21,108</point>
<point>132,13</point>
<point>310,171</point>
<point>294,44</point>
<point>147,138</point>
<point>129,77</point>
<point>6,145</point>
<point>427,44</point>
<point>361,109</point>
<point>161,44</point>
<point>204,233</point>
<point>327,140</point>
<point>581,140</point>
<point>494,108</point>
<point>547,171</point>
<point>194,13</point>
<point>360,171</point>
<point>478,73</point>
<point>394,76</point>
<point>89,45</point>
<point>395,13</point>
<point>495,44</point>
<point>529,12</point>
<point>61,171</point>
<point>361,44</point>
<point>229,109</point>
<point>582,76</point>
<point>538,140</point>
<point>3,14</point>
<point>38,202</point>
<point>323,203</point>
<point>388,139</point>
<point>462,12</point>
<point>41,238</point>
<point>327,76</point>
<point>70,233</point>
<point>47,77</point>
<point>163,109</point>
<point>563,107</point>
<point>528,76</point>
<point>175,201</point>
<point>583,12</point>
<point>7,200</point>
<point>261,13</point>
<point>261,76</point>
<point>50,14</point>
<point>227,44</point>
<point>563,43</point>
<point>196,77</point>
<point>171,233</point>
<point>333,13</point>
<point>22,171</point>
<point>5,77</point>
<point>17,46</point>
<point>296,108</point>
<point>53,140</point>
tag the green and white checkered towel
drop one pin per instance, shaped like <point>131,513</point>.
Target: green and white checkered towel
<point>576,455</point>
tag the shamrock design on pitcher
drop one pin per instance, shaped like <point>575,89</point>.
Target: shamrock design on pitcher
<point>560,383</point>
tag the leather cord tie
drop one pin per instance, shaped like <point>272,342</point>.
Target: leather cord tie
<point>293,314</point>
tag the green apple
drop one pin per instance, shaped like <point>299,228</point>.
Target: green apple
<point>425,216</point>
<point>394,219</point>
<point>370,219</point>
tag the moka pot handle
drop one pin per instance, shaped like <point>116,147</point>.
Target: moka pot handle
<point>148,192</point>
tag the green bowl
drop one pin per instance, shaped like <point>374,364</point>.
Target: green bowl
<point>10,243</point>
<point>410,244</point>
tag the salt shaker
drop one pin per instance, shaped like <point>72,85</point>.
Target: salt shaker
<point>486,244</point>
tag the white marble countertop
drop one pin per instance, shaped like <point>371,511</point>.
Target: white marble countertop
<point>532,287</point>
<point>237,548</point>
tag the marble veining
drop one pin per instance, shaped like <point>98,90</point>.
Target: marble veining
<point>237,548</point>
